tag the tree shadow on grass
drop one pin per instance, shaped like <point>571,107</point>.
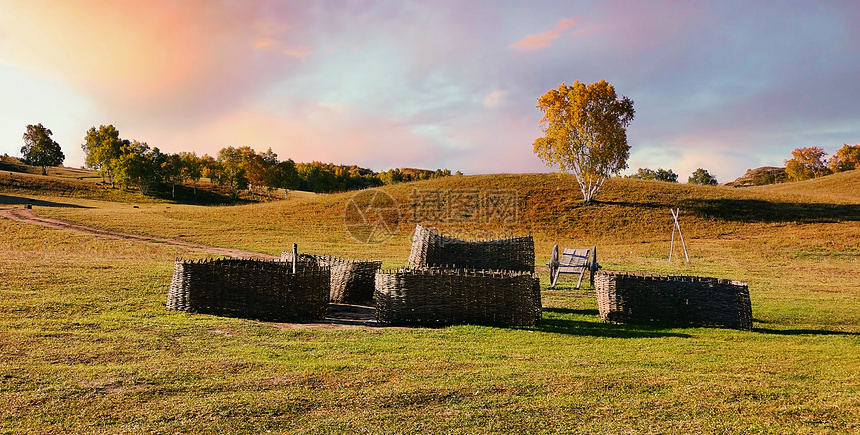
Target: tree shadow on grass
<point>754,210</point>
<point>630,204</point>
<point>21,200</point>
<point>598,328</point>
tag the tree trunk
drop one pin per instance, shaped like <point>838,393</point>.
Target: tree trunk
<point>44,170</point>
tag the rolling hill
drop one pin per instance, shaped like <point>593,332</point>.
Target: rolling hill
<point>631,220</point>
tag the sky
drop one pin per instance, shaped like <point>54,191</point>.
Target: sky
<point>721,85</point>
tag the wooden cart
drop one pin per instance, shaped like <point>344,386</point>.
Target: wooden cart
<point>572,261</point>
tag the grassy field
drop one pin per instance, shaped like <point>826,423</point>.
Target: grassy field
<point>86,345</point>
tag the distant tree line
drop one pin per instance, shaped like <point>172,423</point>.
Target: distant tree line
<point>700,176</point>
<point>134,164</point>
<point>658,175</point>
<point>805,163</point>
<point>809,162</point>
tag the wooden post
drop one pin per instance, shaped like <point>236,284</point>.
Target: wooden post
<point>672,243</point>
<point>593,265</point>
<point>553,267</point>
<point>295,256</point>
<point>581,273</point>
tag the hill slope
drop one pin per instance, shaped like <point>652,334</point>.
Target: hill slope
<point>760,176</point>
<point>839,188</point>
<point>631,222</point>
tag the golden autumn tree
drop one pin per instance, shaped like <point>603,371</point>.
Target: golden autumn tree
<point>585,132</point>
<point>846,158</point>
<point>806,163</point>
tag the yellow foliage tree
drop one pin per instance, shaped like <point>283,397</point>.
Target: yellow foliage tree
<point>806,163</point>
<point>585,132</point>
<point>846,158</point>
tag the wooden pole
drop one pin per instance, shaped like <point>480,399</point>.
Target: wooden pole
<point>579,282</point>
<point>295,256</point>
<point>684,244</point>
<point>672,243</point>
<point>593,266</point>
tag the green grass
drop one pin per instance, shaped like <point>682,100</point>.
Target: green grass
<point>86,345</point>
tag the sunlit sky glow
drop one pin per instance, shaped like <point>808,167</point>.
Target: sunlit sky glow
<point>723,85</point>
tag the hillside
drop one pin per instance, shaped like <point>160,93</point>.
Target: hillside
<point>838,188</point>
<point>21,179</point>
<point>638,210</point>
<point>64,182</point>
<point>631,221</point>
<point>760,176</point>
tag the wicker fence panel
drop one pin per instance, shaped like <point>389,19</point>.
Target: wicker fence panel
<point>678,300</point>
<point>457,296</point>
<point>430,249</point>
<point>250,288</point>
<point>352,281</point>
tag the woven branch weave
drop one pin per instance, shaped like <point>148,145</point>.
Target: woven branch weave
<point>250,288</point>
<point>430,249</point>
<point>624,297</point>
<point>351,280</point>
<point>457,296</point>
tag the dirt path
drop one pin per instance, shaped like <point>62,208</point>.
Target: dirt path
<point>27,216</point>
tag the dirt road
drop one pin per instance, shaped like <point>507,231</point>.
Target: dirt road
<point>27,216</point>
<point>339,316</point>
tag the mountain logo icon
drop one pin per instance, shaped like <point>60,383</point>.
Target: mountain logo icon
<point>371,216</point>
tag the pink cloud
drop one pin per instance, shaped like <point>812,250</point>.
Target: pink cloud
<point>299,52</point>
<point>275,45</point>
<point>264,43</point>
<point>543,40</point>
<point>305,132</point>
<point>171,62</point>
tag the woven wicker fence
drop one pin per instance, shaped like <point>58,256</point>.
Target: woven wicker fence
<point>250,288</point>
<point>352,281</point>
<point>457,296</point>
<point>430,249</point>
<point>678,300</point>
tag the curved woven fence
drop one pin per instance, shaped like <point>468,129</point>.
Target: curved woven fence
<point>457,296</point>
<point>352,281</point>
<point>250,288</point>
<point>624,297</point>
<point>430,249</point>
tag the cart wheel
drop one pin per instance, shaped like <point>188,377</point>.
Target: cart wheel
<point>553,267</point>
